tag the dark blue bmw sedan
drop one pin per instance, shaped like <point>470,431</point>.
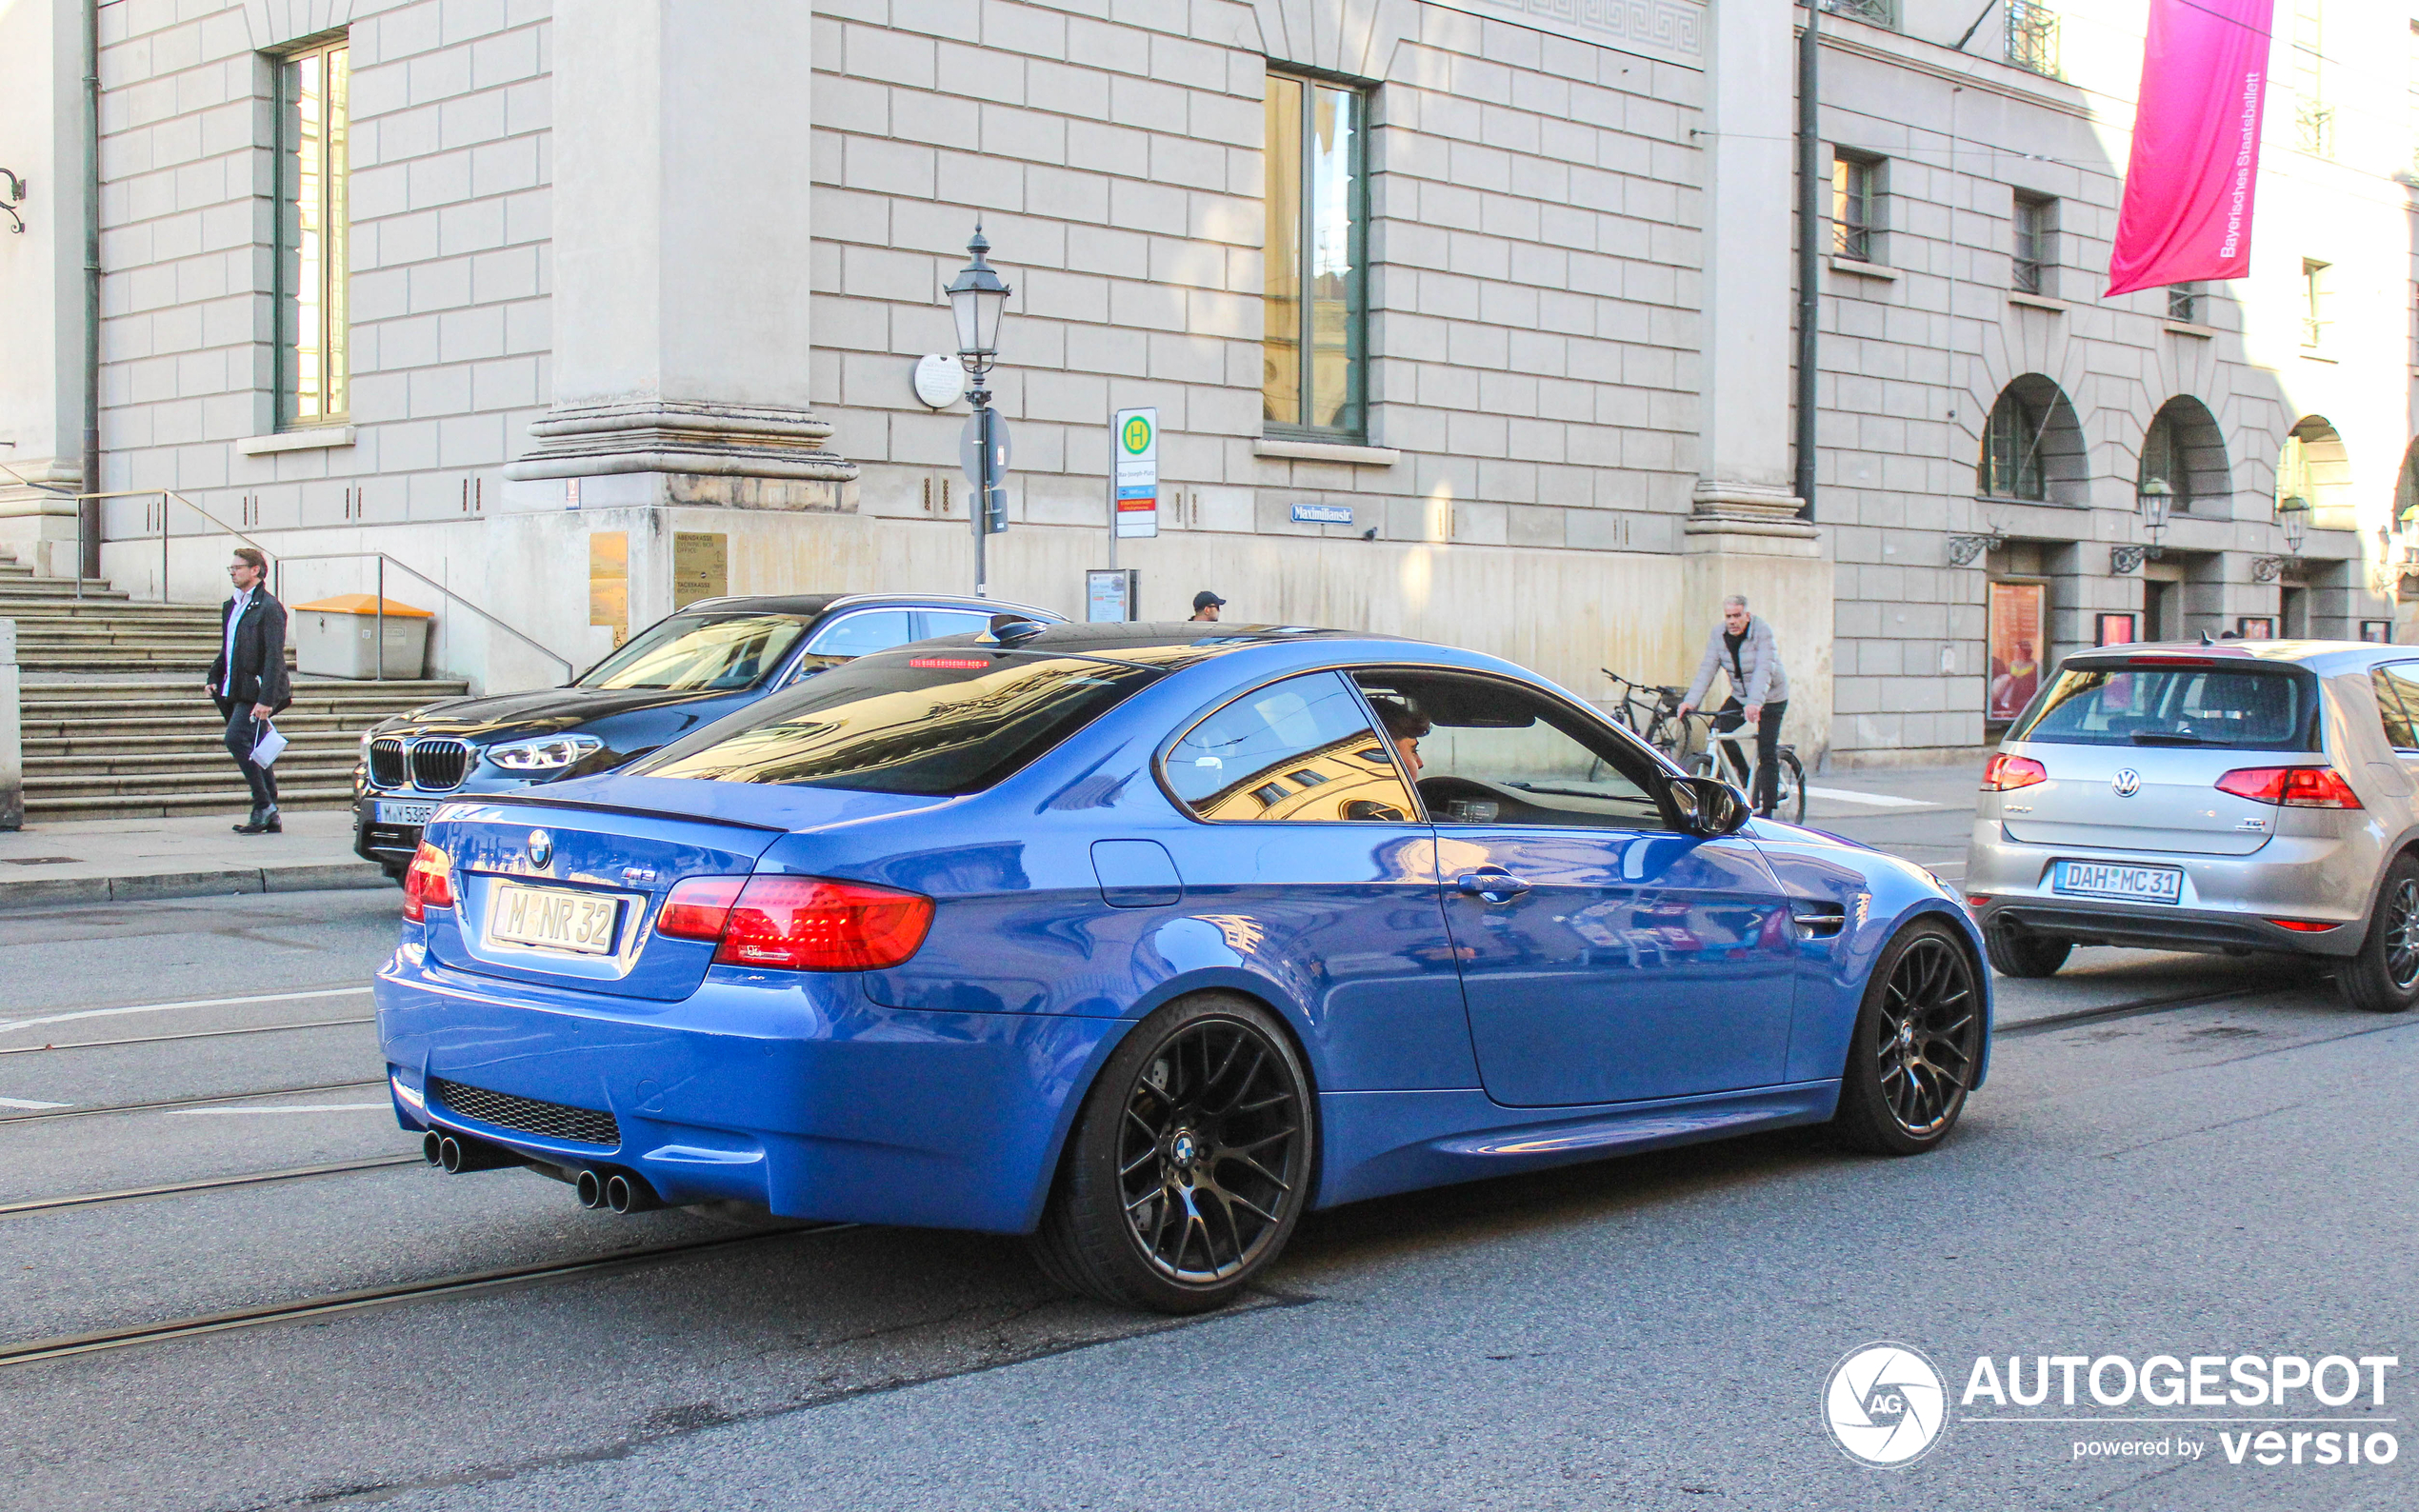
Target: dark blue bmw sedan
<point>1145,939</point>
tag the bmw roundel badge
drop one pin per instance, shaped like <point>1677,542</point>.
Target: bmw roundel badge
<point>541,847</point>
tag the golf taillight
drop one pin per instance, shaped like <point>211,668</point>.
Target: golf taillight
<point>429,884</point>
<point>798,923</point>
<point>2007,771</point>
<point>2290,786</point>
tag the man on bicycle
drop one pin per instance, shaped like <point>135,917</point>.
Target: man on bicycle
<point>1744,647</point>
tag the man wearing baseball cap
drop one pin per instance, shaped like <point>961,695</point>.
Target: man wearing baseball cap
<point>1206,605</point>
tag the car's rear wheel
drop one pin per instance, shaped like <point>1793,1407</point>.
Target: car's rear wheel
<point>1189,1163</point>
<point>2384,975</point>
<point>1917,1043</point>
<point>2016,952</point>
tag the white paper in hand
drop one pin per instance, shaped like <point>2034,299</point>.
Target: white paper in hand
<point>265,750</point>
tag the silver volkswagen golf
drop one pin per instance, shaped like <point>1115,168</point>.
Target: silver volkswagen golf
<point>2247,795</point>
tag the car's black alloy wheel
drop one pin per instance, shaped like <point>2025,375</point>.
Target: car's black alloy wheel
<point>1191,1162</point>
<point>2384,975</point>
<point>1917,1043</point>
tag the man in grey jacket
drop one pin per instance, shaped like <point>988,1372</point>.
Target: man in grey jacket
<point>1744,647</point>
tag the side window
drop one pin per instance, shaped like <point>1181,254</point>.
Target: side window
<point>1489,752</point>
<point>864,631</point>
<point>2397,686</point>
<point>930,625</point>
<point>1300,750</point>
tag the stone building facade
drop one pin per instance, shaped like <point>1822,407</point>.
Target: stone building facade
<point>630,289</point>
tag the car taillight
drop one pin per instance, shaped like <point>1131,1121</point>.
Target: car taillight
<point>699,907</point>
<point>2303,926</point>
<point>802,924</point>
<point>2007,771</point>
<point>429,884</point>
<point>2290,786</point>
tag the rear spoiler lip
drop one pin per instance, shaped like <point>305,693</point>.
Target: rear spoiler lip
<point>591,806</point>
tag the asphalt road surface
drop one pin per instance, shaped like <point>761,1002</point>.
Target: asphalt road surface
<point>2177,1156</point>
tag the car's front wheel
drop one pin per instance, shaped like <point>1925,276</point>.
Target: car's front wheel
<point>2384,975</point>
<point>1189,1163</point>
<point>1917,1043</point>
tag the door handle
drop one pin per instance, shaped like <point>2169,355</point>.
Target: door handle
<point>1495,887</point>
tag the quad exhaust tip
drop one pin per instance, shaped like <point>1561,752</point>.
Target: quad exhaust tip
<point>630,1194</point>
<point>458,1153</point>
<point>591,1188</point>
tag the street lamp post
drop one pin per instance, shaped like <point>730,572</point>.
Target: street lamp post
<point>2156,498</point>
<point>2292,512</point>
<point>978,297</point>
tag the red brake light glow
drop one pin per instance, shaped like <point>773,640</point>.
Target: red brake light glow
<point>2302,926</point>
<point>429,884</point>
<point>2007,771</point>
<point>2290,786</point>
<point>812,923</point>
<point>952,663</point>
<point>698,908</point>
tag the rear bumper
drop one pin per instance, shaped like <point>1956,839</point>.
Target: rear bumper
<point>2228,900</point>
<point>797,1093</point>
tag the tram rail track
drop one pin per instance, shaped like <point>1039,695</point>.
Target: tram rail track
<point>68,1345</point>
<point>2051,1022</point>
<point>190,1034</point>
<point>173,1103</point>
<point>207,1183</point>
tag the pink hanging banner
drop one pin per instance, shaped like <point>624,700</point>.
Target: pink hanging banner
<point>2195,164</point>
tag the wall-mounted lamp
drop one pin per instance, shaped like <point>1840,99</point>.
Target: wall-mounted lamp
<point>12,198</point>
<point>1963,550</point>
<point>2292,512</point>
<point>2156,498</point>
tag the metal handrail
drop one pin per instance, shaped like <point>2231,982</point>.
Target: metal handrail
<point>278,582</point>
<point>164,495</point>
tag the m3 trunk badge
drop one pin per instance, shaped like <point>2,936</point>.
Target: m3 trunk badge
<point>2125,783</point>
<point>541,847</point>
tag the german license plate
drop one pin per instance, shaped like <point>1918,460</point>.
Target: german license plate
<point>2092,879</point>
<point>552,919</point>
<point>415,815</point>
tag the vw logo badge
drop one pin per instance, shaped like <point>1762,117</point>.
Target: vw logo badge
<point>2125,783</point>
<point>541,847</point>
<point>1886,1404</point>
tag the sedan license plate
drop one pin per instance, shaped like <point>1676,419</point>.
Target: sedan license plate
<point>415,815</point>
<point>552,919</point>
<point>2092,879</point>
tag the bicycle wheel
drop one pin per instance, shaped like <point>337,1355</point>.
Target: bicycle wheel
<point>1789,799</point>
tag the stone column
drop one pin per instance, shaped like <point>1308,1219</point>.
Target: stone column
<point>682,195</point>
<point>42,282</point>
<point>1743,534</point>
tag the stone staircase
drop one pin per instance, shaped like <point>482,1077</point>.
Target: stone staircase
<point>116,724</point>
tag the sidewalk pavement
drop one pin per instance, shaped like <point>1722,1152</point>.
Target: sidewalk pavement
<point>190,856</point>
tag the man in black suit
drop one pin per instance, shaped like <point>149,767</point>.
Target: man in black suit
<point>248,679</point>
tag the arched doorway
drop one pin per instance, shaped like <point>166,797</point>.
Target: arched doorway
<point>2032,445</point>
<point>2315,472</point>
<point>2185,452</point>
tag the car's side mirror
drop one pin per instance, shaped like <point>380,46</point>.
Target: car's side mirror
<point>1709,807</point>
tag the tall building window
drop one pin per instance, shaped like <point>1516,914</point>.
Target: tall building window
<point>2313,117</point>
<point>2012,449</point>
<point>1856,206</point>
<point>2162,463</point>
<point>2184,303</point>
<point>315,369</point>
<point>2314,303</point>
<point>1313,336</point>
<point>2032,36</point>
<point>2036,244</point>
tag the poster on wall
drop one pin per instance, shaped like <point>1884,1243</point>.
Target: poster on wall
<point>2255,626</point>
<point>2117,628</point>
<point>2380,632</point>
<point>2016,648</point>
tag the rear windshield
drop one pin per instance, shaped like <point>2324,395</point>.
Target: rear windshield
<point>933,720</point>
<point>695,653</point>
<point>2250,709</point>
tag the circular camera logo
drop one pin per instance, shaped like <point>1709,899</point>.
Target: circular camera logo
<point>1886,1406</point>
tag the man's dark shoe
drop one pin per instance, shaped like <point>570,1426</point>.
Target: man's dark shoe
<point>250,824</point>
<point>263,824</point>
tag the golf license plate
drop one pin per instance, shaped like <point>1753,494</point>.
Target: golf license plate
<point>416,815</point>
<point>2093,879</point>
<point>553,919</point>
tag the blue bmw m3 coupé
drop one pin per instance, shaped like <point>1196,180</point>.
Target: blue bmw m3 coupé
<point>1144,940</point>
